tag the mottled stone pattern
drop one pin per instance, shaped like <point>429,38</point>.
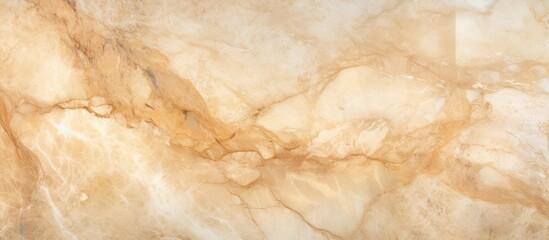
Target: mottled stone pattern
<point>294,119</point>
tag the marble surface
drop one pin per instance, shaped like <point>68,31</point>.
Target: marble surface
<point>294,119</point>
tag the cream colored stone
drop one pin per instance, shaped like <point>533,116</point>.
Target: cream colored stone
<point>301,119</point>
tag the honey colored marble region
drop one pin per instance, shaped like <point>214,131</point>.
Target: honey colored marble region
<point>295,119</point>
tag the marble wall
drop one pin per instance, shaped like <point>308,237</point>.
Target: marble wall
<point>293,119</point>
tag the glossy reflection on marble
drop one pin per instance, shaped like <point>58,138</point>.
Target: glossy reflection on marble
<point>299,119</point>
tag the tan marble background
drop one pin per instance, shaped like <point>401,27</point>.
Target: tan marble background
<point>294,119</point>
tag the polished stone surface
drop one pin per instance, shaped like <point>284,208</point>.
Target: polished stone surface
<point>295,119</point>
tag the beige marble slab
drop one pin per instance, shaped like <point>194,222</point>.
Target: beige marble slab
<point>294,119</point>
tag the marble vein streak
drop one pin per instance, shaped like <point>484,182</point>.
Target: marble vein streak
<point>294,119</point>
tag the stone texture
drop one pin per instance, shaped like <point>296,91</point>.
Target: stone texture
<point>300,119</point>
